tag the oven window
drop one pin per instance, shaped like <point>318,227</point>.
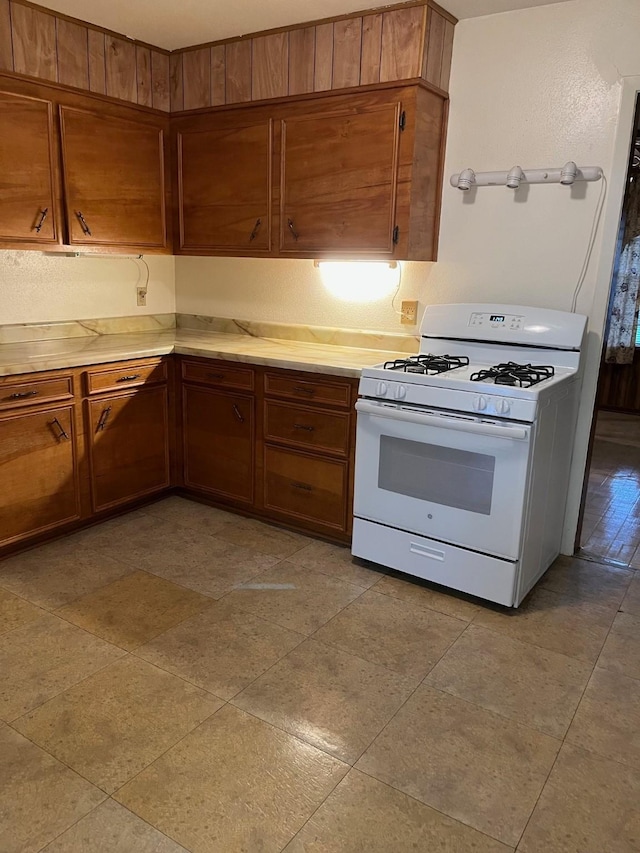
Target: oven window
<point>441,475</point>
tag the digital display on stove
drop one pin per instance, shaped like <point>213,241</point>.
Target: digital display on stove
<point>497,318</point>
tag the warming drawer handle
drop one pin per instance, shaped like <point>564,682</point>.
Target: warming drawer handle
<point>443,421</point>
<point>423,551</point>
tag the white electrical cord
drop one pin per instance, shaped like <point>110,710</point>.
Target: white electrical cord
<point>397,291</point>
<point>590,244</point>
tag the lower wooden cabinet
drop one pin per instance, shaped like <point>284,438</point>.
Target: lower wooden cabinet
<point>219,442</point>
<point>39,467</point>
<point>127,437</point>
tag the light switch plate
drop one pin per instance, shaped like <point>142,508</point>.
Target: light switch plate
<point>409,312</point>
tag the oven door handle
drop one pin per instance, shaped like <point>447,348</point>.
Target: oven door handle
<point>442,421</point>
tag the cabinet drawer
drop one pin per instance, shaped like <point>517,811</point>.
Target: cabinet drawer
<point>221,375</point>
<point>311,390</point>
<point>30,392</point>
<point>306,487</point>
<point>305,427</point>
<point>126,376</point>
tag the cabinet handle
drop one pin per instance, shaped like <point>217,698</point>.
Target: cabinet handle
<point>307,427</point>
<point>104,417</point>
<point>63,434</point>
<point>256,228</point>
<point>238,413</point>
<point>305,487</point>
<point>292,229</point>
<point>129,378</point>
<point>215,375</point>
<point>304,389</point>
<point>83,224</point>
<point>20,395</point>
<point>43,216</point>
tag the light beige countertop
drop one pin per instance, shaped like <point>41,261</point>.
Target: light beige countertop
<point>51,354</point>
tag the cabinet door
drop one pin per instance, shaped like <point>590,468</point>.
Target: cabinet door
<point>338,180</point>
<point>113,179</point>
<point>27,199</point>
<point>38,472</point>
<point>219,443</point>
<point>224,188</point>
<point>128,446</point>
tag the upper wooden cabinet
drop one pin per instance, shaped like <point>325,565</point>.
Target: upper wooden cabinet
<point>233,213</point>
<point>28,208</point>
<point>355,175</point>
<point>113,171</point>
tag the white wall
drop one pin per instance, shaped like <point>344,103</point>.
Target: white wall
<point>38,288</point>
<point>286,291</point>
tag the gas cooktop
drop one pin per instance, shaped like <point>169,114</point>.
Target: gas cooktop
<point>511,373</point>
<point>427,363</point>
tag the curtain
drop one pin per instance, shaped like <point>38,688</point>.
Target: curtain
<point>623,313</point>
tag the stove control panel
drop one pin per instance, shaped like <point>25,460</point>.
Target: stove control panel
<point>485,320</point>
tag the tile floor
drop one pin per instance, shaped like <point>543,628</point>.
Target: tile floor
<point>181,679</point>
<point>611,526</point>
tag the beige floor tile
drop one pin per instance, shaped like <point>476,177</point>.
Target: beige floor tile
<point>631,601</point>
<point>60,572</point>
<point>134,609</point>
<point>235,784</point>
<point>621,651</point>
<point>294,597</point>
<point>589,805</point>
<point>113,724</point>
<point>393,633</point>
<point>471,764</point>
<point>555,622</point>
<point>266,538</point>
<point>39,797</point>
<point>363,815</point>
<point>221,650</point>
<point>336,560</point>
<point>428,595</point>
<point>15,612</point>
<point>42,659</point>
<point>516,680</point>
<point>330,699</point>
<point>608,718</point>
<point>112,829</point>
<point>184,556</point>
<point>197,516</point>
<point>587,581</point>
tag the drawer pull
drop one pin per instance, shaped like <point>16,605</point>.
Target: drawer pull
<point>291,227</point>
<point>256,228</point>
<point>238,413</point>
<point>130,378</point>
<point>104,417</point>
<point>43,216</point>
<point>304,389</point>
<point>83,224</point>
<point>306,427</point>
<point>305,487</point>
<point>215,375</point>
<point>20,395</point>
<point>62,434</point>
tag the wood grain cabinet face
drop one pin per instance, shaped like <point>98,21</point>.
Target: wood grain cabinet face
<point>219,442</point>
<point>28,204</point>
<point>224,188</point>
<point>113,171</point>
<point>128,440</point>
<point>339,170</point>
<point>39,472</point>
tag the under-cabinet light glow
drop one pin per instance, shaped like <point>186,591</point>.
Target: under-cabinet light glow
<point>359,281</point>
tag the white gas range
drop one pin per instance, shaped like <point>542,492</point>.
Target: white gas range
<point>463,452</point>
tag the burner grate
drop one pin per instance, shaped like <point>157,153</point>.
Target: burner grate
<point>510,373</point>
<point>427,363</point>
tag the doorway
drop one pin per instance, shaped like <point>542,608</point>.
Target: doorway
<point>611,520</point>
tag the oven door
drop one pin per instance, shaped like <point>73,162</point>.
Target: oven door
<point>453,477</point>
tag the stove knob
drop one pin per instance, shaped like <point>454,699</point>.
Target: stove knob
<point>479,403</point>
<point>382,389</point>
<point>400,392</point>
<point>502,406</point>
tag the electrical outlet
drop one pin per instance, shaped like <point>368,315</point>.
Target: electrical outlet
<point>409,313</point>
<point>142,296</point>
